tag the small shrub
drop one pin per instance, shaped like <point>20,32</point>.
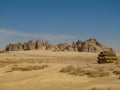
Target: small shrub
<point>79,72</point>
<point>15,65</point>
<point>94,88</point>
<point>101,69</point>
<point>40,62</point>
<point>97,74</point>
<point>7,62</point>
<point>93,73</point>
<point>111,69</point>
<point>44,66</point>
<point>67,69</point>
<point>116,72</point>
<point>2,65</point>
<point>102,74</point>
<point>29,68</point>
<point>119,77</point>
<point>21,69</point>
<point>8,71</point>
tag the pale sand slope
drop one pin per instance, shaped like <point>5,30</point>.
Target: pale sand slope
<point>50,78</point>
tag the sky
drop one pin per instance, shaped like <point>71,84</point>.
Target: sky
<point>60,21</point>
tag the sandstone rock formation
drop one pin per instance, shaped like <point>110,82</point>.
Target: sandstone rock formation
<point>91,45</point>
<point>30,45</point>
<point>39,44</point>
<point>107,57</point>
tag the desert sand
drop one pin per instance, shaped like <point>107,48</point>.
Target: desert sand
<point>50,77</point>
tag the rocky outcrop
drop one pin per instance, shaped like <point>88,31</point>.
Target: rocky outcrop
<point>39,44</point>
<point>30,45</point>
<point>107,57</point>
<point>91,45</point>
<point>14,47</point>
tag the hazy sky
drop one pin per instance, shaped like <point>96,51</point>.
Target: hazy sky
<point>60,21</point>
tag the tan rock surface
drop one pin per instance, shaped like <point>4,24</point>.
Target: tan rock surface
<point>91,45</point>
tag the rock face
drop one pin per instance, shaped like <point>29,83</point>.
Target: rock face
<point>107,57</point>
<point>91,45</point>
<point>30,45</point>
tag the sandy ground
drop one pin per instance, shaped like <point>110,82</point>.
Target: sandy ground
<point>51,78</point>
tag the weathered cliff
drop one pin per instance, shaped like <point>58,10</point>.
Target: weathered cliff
<point>91,45</point>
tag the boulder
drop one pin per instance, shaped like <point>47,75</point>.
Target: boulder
<point>107,57</point>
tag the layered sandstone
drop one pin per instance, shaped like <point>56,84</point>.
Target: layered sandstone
<point>91,45</point>
<point>107,57</point>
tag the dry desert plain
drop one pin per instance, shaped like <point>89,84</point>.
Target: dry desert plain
<point>46,70</point>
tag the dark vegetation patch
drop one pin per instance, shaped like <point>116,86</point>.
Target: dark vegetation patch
<point>116,72</point>
<point>27,68</point>
<point>80,72</point>
<point>6,62</point>
<point>94,88</point>
<point>119,77</point>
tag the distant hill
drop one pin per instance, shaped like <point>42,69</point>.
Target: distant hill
<point>91,45</point>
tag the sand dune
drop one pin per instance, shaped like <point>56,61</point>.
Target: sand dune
<point>51,78</point>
